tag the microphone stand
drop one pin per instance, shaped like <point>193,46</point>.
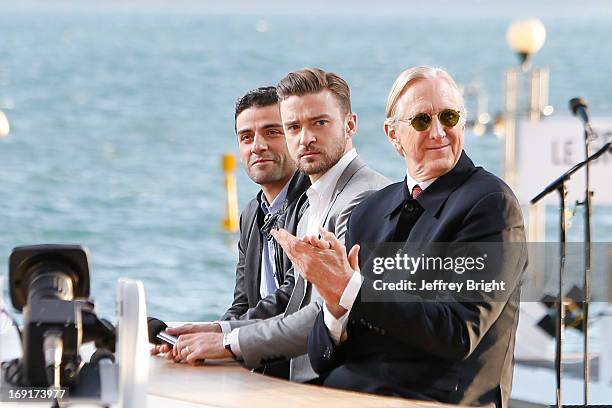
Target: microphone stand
<point>559,186</point>
<point>588,133</point>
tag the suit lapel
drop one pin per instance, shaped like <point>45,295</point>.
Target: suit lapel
<point>299,290</point>
<point>433,198</point>
<point>297,296</point>
<point>345,177</point>
<point>253,251</point>
<point>394,207</point>
<point>302,289</point>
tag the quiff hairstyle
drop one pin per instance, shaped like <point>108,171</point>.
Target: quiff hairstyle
<point>408,78</point>
<point>314,80</point>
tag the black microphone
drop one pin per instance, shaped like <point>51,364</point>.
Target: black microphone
<point>157,332</point>
<point>579,108</point>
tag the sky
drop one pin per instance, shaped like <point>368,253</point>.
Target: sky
<point>461,8</point>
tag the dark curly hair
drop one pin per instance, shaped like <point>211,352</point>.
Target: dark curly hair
<point>259,98</point>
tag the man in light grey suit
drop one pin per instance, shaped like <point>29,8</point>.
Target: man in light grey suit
<point>319,126</point>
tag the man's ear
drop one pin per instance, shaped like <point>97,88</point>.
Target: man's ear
<point>350,125</point>
<point>393,137</point>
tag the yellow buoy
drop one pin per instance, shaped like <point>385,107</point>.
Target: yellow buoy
<point>230,222</point>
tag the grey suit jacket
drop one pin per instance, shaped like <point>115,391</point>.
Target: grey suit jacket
<point>284,336</point>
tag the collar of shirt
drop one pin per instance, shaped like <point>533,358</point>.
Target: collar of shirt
<point>277,203</point>
<point>423,184</point>
<point>320,193</point>
<point>324,186</point>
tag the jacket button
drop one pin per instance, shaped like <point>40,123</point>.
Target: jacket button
<point>370,326</point>
<point>327,353</point>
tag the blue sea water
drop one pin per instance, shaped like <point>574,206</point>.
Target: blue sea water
<point>119,121</point>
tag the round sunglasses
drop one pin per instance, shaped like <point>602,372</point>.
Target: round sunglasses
<point>422,121</point>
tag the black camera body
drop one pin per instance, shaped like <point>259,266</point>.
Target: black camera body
<point>45,316</point>
<point>50,285</point>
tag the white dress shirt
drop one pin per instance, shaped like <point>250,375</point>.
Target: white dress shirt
<point>319,200</point>
<point>337,327</point>
<point>320,193</point>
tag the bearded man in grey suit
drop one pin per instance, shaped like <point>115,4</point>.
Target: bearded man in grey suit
<point>319,127</point>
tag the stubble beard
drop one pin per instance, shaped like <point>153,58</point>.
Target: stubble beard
<point>326,161</point>
<point>271,176</point>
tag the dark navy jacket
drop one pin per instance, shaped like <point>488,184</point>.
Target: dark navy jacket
<point>453,352</point>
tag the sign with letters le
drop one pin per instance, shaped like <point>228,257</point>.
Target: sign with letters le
<point>548,148</point>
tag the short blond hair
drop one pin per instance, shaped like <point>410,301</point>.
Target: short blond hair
<point>314,80</point>
<point>408,77</point>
